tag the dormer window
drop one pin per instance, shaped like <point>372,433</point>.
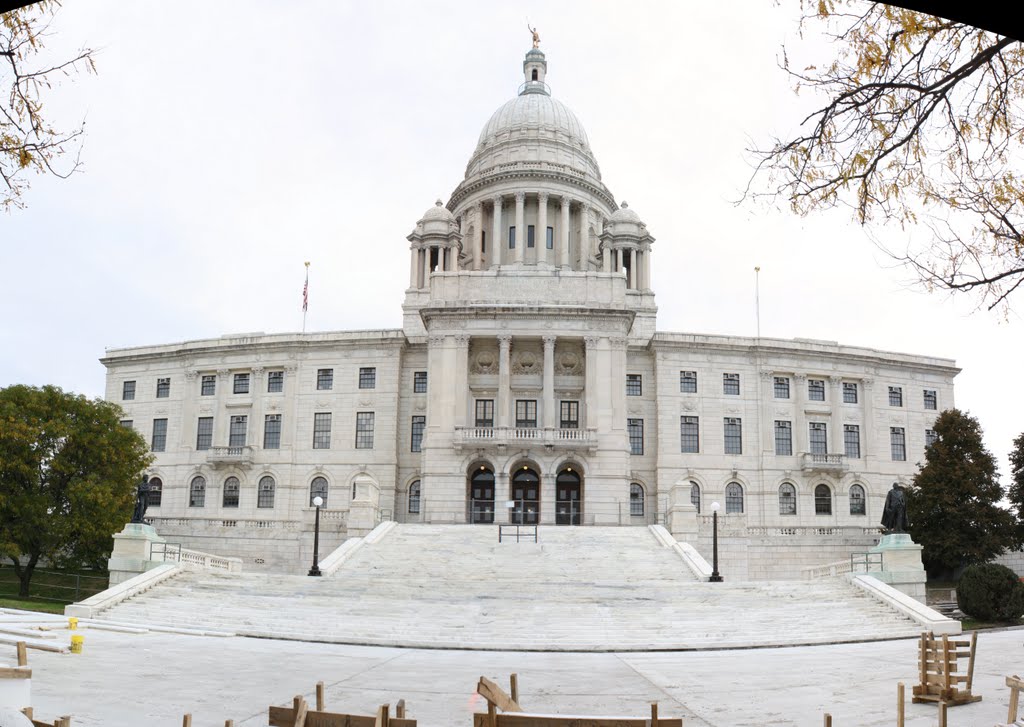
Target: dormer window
<point>534,78</point>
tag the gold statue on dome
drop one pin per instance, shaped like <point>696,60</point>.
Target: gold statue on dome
<point>536,35</point>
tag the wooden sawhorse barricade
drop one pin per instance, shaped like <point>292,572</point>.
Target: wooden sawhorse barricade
<point>938,662</point>
<point>300,715</point>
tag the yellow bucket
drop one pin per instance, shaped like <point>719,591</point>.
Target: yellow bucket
<point>77,640</point>
<point>72,623</point>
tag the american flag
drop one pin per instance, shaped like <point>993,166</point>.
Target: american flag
<point>305,291</point>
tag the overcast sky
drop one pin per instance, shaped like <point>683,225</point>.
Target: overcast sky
<point>228,142</point>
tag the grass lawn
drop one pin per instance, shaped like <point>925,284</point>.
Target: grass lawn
<point>30,605</point>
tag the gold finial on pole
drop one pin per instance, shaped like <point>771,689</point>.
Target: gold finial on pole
<point>536,35</point>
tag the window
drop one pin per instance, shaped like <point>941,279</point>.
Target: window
<point>898,444</point>
<point>733,498</point>
<point>272,431</point>
<point>318,488</point>
<point>239,425</point>
<point>231,490</point>
<point>156,491</point>
<point>208,385</point>
<point>816,389</point>
<point>818,438</point>
<point>695,495</point>
<point>569,416</point>
<point>857,500</point>
<point>636,499</point>
<point>485,412</point>
<point>322,430</point>
<point>414,498</point>
<point>483,241</point>
<point>512,238</point>
<point>688,382</point>
<point>822,500</point>
<point>530,239</point>
<point>634,385</point>
<point>419,423</point>
<point>931,399</point>
<point>265,495</point>
<point>636,435</point>
<point>550,244</point>
<point>526,413</point>
<point>419,382</point>
<point>197,492</point>
<point>851,440</point>
<point>364,430</point>
<point>930,437</point>
<point>781,387</point>
<point>731,384</point>
<point>128,390</point>
<point>849,393</point>
<point>895,396</point>
<point>127,423</point>
<point>163,388</point>
<point>733,435</point>
<point>159,441</point>
<point>787,499</point>
<point>689,435</point>
<point>275,382</point>
<point>324,379</point>
<point>783,438</point>
<point>241,385</point>
<point>204,433</point>
<point>368,378</point>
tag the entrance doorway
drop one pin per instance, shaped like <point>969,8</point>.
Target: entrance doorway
<point>568,498</point>
<point>481,495</point>
<point>525,496</point>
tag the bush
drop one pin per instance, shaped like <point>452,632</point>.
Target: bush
<point>990,592</point>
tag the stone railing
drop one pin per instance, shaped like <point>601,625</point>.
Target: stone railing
<point>229,455</point>
<point>206,561</point>
<point>835,463</point>
<point>227,523</point>
<point>826,570</point>
<point>503,436</point>
<point>736,525</point>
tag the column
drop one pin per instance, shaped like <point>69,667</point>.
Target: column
<point>220,414</point>
<point>647,268</point>
<point>631,280</point>
<point>496,233</point>
<point>836,420</point>
<point>767,424</point>
<point>478,234</point>
<point>542,227</point>
<point>590,395</point>
<point>289,408</point>
<point>501,495</point>
<point>414,267</point>
<point>504,380</point>
<point>550,422</point>
<point>454,252</point>
<point>187,425</point>
<point>563,235</point>
<point>461,379</point>
<point>867,439</point>
<point>800,434</point>
<point>607,257</point>
<point>520,226</point>
<point>258,386</point>
<point>584,246</point>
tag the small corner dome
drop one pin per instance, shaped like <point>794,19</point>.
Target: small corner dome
<point>437,212</point>
<point>625,214</point>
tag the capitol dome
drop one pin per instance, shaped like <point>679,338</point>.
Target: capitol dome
<point>534,111</point>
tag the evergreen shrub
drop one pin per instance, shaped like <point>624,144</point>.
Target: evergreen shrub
<point>990,592</point>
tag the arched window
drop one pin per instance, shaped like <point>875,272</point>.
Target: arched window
<point>318,488</point>
<point>787,499</point>
<point>734,497</point>
<point>231,488</point>
<point>823,500</point>
<point>414,498</point>
<point>481,495</point>
<point>197,492</point>
<point>534,74</point>
<point>265,496</point>
<point>636,499</point>
<point>156,491</point>
<point>857,500</point>
<point>695,495</point>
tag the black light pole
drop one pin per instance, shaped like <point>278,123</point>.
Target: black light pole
<point>716,577</point>
<point>315,570</point>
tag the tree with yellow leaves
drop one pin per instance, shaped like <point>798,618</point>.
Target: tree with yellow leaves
<point>921,123</point>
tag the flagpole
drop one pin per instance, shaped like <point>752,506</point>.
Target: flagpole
<point>305,298</point>
<point>757,298</point>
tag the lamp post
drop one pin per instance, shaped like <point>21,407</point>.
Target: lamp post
<point>716,577</point>
<point>315,570</point>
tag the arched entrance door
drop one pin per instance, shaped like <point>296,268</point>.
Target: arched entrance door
<point>481,495</point>
<point>525,491</point>
<point>568,497</point>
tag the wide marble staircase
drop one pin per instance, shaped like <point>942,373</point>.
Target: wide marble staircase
<point>577,589</point>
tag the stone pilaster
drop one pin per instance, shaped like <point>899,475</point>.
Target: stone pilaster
<point>542,227</point>
<point>800,433</point>
<point>520,226</point>
<point>549,382</point>
<point>563,235</point>
<point>836,420</point>
<point>496,245</point>
<point>504,381</point>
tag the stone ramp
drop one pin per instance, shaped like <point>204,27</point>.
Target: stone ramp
<point>578,589</point>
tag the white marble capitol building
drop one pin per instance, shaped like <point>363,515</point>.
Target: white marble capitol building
<point>528,384</point>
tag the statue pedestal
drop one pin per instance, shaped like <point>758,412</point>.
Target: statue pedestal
<point>133,552</point>
<point>901,565</point>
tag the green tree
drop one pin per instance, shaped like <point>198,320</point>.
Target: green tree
<point>920,121</point>
<point>1016,492</point>
<point>68,476</point>
<point>28,140</point>
<point>953,504</point>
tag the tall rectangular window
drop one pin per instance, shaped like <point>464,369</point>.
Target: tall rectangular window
<point>530,239</point>
<point>485,413</point>
<point>569,415</point>
<point>324,379</point>
<point>526,413</point>
<point>851,441</point>
<point>731,384</point>
<point>634,385</point>
<point>816,389</point>
<point>931,399</point>
<point>163,388</point>
<point>364,430</point>
<point>208,385</point>
<point>930,437</point>
<point>483,241</point>
<point>512,238</point>
<point>128,390</point>
<point>818,438</point>
<point>689,435</point>
<point>419,423</point>
<point>688,382</point>
<point>636,435</point>
<point>849,392</point>
<point>419,382</point>
<point>895,396</point>
<point>241,385</point>
<point>783,438</point>
<point>159,441</point>
<point>550,244</point>
<point>368,377</point>
<point>127,424</point>
<point>239,426</point>
<point>275,382</point>
<point>733,435</point>
<point>322,430</point>
<point>272,431</point>
<point>898,444</point>
<point>204,433</point>
<point>781,387</point>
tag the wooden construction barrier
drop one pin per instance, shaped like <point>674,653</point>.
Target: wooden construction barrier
<point>299,715</point>
<point>938,662</point>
